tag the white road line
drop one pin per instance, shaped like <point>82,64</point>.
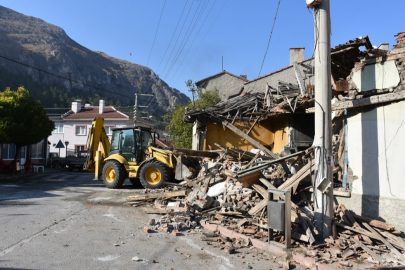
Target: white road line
<point>192,244</point>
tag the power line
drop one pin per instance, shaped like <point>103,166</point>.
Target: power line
<point>188,13</point>
<point>208,13</point>
<point>59,76</point>
<point>171,39</point>
<point>268,43</point>
<point>271,34</point>
<point>184,41</point>
<point>161,13</point>
<point>202,40</point>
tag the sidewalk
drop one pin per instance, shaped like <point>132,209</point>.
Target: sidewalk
<point>22,174</point>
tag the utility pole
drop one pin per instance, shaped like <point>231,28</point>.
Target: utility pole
<point>323,193</point>
<point>136,106</point>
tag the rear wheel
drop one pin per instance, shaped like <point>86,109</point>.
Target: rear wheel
<point>154,174</point>
<point>114,174</point>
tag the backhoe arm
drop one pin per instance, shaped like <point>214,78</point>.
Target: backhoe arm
<point>97,138</point>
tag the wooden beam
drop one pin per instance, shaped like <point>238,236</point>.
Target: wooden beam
<point>366,249</point>
<point>376,99</point>
<point>160,195</point>
<point>299,78</point>
<point>197,153</point>
<point>156,211</point>
<point>382,239</point>
<point>248,138</point>
<point>294,180</point>
<point>375,223</point>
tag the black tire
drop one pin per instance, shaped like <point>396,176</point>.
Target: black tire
<point>114,174</point>
<point>154,174</point>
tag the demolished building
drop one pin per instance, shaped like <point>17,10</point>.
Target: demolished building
<point>277,118</point>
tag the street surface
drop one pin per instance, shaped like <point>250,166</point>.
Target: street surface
<point>66,220</point>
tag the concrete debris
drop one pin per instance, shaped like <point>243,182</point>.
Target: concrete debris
<point>232,193</point>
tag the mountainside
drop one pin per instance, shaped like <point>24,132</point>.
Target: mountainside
<point>47,47</point>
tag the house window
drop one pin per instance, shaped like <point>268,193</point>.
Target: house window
<point>108,129</point>
<point>58,127</point>
<point>79,148</point>
<point>80,130</point>
<point>37,150</point>
<point>8,151</point>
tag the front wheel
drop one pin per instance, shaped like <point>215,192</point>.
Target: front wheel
<point>154,174</point>
<point>114,174</point>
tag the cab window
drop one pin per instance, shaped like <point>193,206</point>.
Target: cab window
<point>146,139</point>
<point>115,140</point>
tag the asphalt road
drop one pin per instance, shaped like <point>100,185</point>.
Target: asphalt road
<point>68,221</point>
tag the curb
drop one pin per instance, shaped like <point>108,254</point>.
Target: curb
<point>279,251</point>
<point>19,176</point>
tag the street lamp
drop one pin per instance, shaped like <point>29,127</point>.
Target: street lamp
<point>66,143</point>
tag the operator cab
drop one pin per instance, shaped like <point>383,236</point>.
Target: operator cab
<point>131,142</point>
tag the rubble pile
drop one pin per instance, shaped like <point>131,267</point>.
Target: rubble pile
<point>231,190</point>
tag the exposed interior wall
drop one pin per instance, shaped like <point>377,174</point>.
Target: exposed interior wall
<point>286,75</point>
<point>376,155</point>
<point>381,75</point>
<point>271,133</point>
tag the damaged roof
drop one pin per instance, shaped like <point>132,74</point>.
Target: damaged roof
<point>218,75</point>
<point>261,105</point>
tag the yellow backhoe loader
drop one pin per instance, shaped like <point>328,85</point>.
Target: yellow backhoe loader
<point>131,154</point>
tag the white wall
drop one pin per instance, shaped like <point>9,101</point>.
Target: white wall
<point>69,134</point>
<point>376,76</point>
<point>376,151</point>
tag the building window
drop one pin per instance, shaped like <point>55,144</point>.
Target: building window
<point>108,129</point>
<point>8,151</point>
<point>37,150</point>
<point>80,130</point>
<point>79,148</point>
<point>58,127</point>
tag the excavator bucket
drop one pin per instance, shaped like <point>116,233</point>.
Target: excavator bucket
<point>187,167</point>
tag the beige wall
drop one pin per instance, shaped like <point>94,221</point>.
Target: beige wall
<point>271,132</point>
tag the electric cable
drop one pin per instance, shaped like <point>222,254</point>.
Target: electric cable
<point>153,44</point>
<point>177,39</point>
<point>268,43</point>
<point>183,42</point>
<point>191,45</point>
<point>202,40</point>
<point>171,39</point>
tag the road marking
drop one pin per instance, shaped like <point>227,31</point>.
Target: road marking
<point>10,186</point>
<point>191,243</point>
<point>108,258</point>
<point>112,216</point>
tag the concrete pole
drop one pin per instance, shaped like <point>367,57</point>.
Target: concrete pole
<point>323,125</point>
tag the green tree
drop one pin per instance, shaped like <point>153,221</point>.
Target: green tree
<point>23,121</point>
<point>182,133</point>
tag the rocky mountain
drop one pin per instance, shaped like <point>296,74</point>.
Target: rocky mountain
<point>39,44</point>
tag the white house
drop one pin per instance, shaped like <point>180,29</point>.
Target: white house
<point>72,127</point>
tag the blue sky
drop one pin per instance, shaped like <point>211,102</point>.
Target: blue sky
<point>236,30</point>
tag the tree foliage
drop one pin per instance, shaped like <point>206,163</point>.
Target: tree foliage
<point>182,133</point>
<point>23,121</point>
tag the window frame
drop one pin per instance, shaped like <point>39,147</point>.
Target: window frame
<point>85,130</point>
<point>109,126</point>
<point>79,145</point>
<point>59,125</point>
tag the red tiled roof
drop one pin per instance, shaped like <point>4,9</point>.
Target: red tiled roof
<point>91,112</point>
<point>160,143</point>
